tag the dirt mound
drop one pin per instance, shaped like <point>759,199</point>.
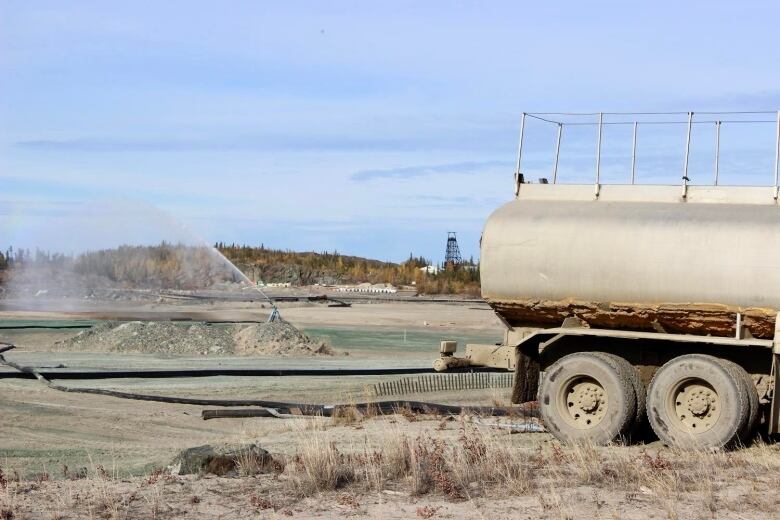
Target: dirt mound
<point>277,338</point>
<point>157,337</point>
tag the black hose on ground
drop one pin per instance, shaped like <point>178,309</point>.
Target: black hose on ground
<point>175,320</point>
<point>378,407</point>
<point>53,327</point>
<point>223,371</point>
<point>276,408</point>
<point>32,373</point>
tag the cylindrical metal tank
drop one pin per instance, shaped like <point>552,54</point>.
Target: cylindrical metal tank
<point>680,267</point>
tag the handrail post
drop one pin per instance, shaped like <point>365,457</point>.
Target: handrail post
<point>598,154</point>
<point>685,178</point>
<point>717,151</point>
<point>777,156</point>
<point>519,154</point>
<point>633,155</point>
<point>557,153</point>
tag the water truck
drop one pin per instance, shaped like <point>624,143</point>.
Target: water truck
<point>631,307</point>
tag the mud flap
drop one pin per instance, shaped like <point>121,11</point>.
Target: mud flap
<point>526,383</point>
<point>774,410</point>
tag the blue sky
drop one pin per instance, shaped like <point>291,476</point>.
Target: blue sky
<point>372,128</point>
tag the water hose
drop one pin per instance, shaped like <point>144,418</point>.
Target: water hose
<point>276,408</point>
<point>379,407</point>
<point>212,372</point>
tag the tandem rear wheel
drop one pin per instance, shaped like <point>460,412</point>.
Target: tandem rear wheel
<point>693,401</point>
<point>701,401</point>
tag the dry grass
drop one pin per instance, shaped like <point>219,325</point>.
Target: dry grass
<point>346,416</point>
<point>463,463</point>
<point>482,463</point>
<point>477,464</point>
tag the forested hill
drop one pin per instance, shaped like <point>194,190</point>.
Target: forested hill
<point>171,266</point>
<point>307,268</point>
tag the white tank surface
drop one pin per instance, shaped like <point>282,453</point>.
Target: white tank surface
<point>664,258</point>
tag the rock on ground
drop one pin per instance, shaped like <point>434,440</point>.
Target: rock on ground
<point>222,460</point>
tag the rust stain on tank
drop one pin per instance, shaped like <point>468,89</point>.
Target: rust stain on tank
<point>675,318</point>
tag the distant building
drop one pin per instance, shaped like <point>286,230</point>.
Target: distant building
<point>430,269</point>
<point>369,288</point>
<point>278,284</point>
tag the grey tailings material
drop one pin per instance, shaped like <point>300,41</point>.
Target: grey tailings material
<point>277,338</point>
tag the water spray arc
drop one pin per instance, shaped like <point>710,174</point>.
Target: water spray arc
<point>275,315</point>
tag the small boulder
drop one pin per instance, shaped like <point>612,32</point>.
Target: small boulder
<point>222,460</point>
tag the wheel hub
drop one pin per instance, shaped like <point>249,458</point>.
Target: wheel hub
<point>699,403</point>
<point>696,405</point>
<point>585,402</point>
<point>588,397</point>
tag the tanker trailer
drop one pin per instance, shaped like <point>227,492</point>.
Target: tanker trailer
<point>630,307</point>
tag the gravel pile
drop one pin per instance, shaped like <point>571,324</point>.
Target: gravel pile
<point>277,338</point>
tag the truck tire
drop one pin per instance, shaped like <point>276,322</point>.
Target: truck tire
<point>640,428</point>
<point>697,401</point>
<point>586,397</point>
<point>749,428</point>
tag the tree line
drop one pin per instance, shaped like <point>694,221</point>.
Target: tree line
<point>167,265</point>
<point>261,261</point>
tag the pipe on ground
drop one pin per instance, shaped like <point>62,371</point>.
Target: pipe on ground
<point>279,408</point>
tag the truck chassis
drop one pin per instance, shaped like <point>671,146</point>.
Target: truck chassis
<point>604,385</point>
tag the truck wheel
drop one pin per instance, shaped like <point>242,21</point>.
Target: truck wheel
<point>639,429</point>
<point>585,397</point>
<point>696,401</point>
<point>749,428</point>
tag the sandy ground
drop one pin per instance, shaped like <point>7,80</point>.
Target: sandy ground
<point>42,427</point>
<point>381,314</point>
<point>122,442</point>
<point>616,482</point>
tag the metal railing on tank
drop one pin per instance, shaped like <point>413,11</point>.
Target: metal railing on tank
<point>637,119</point>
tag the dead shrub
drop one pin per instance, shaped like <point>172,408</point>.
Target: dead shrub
<point>155,475</point>
<point>346,416</point>
<point>319,467</point>
<point>427,511</point>
<point>260,502</point>
<point>407,413</point>
<point>249,462</point>
<point>475,462</point>
<point>348,500</point>
<point>431,469</point>
<point>484,464</point>
<point>473,445</point>
<point>586,462</point>
<point>655,463</point>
